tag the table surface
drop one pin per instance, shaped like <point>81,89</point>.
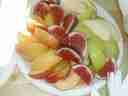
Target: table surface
<point>21,88</point>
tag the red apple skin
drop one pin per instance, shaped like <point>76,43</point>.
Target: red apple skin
<point>108,67</point>
<point>84,73</point>
<point>68,23</point>
<point>57,13</point>
<point>57,31</point>
<point>69,55</point>
<point>41,9</point>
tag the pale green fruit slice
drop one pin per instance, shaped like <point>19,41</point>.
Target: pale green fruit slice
<point>112,49</point>
<point>101,28</point>
<point>88,11</point>
<point>96,54</point>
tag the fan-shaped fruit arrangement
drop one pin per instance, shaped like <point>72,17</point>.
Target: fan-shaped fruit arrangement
<point>58,46</point>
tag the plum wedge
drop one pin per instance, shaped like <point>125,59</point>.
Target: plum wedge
<point>69,55</point>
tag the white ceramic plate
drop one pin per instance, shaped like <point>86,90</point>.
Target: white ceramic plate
<point>84,90</point>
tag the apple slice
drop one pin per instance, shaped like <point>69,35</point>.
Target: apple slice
<point>43,63</point>
<point>46,38</point>
<point>36,22</point>
<point>41,9</point>
<point>75,40</point>
<point>58,72</point>
<point>69,21</point>
<point>57,31</point>
<point>70,82</point>
<point>69,55</point>
<point>108,67</point>
<point>30,51</point>
<point>96,53</point>
<point>57,13</point>
<point>25,38</point>
<point>84,73</point>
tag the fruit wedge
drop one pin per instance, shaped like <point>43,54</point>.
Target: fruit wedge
<point>40,9</point>
<point>84,73</point>
<point>101,28</point>
<point>25,38</point>
<point>31,50</point>
<point>36,22</point>
<point>108,67</point>
<point>76,41</point>
<point>43,63</point>
<point>70,82</point>
<point>88,11</point>
<point>69,55</point>
<point>96,54</point>
<point>57,31</point>
<point>46,38</point>
<point>58,72</point>
<point>57,13</point>
<point>69,22</point>
<point>112,49</point>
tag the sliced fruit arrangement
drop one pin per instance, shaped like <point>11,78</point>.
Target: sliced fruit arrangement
<point>64,50</point>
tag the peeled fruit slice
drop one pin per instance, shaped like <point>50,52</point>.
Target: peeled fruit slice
<point>46,38</point>
<point>69,55</point>
<point>31,50</point>
<point>69,22</point>
<point>88,11</point>
<point>84,73</point>
<point>25,38</point>
<point>32,24</point>
<point>108,67</point>
<point>75,40</point>
<point>41,9</point>
<point>101,28</point>
<point>96,55</point>
<point>112,49</point>
<point>57,31</point>
<point>70,82</point>
<point>58,72</point>
<point>57,13</point>
<point>43,63</point>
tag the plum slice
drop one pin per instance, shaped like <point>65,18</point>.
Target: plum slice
<point>57,31</point>
<point>69,21</point>
<point>75,40</point>
<point>69,55</point>
<point>108,67</point>
<point>57,13</point>
<point>41,9</point>
<point>84,73</point>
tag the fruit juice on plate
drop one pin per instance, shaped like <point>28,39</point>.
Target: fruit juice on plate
<point>65,49</point>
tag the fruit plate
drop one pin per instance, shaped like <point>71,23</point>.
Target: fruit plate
<point>84,90</point>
